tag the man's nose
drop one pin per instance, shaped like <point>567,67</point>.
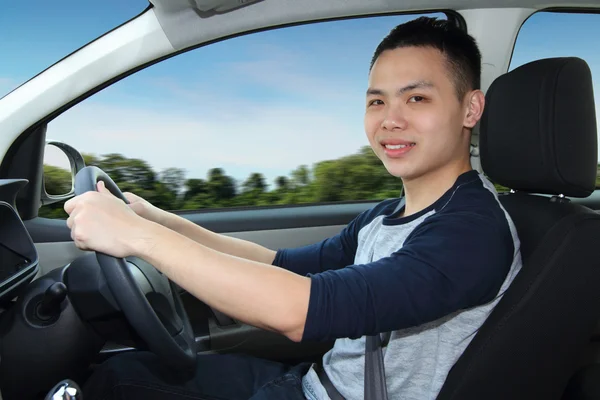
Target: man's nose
<point>394,119</point>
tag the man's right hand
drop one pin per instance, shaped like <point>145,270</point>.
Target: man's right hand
<point>145,209</point>
<point>140,206</point>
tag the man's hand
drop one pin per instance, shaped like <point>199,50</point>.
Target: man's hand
<point>101,222</point>
<point>140,206</point>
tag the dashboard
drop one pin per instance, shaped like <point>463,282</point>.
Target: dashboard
<point>18,256</point>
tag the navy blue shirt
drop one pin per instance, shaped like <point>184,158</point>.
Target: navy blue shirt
<point>383,272</point>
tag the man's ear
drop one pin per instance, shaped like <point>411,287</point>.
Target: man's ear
<point>474,102</point>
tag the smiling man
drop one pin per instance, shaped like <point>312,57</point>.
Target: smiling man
<point>425,270</point>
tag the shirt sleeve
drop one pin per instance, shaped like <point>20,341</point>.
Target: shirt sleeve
<point>447,264</point>
<point>332,253</point>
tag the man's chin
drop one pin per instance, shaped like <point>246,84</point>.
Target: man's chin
<point>400,172</point>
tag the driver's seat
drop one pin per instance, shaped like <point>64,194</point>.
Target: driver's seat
<point>538,135</point>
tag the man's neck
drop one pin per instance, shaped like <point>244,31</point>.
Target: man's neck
<point>425,190</point>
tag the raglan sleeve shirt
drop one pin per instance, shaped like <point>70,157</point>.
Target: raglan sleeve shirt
<point>449,262</point>
<point>332,253</point>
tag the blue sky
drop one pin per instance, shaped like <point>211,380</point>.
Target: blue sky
<point>278,91</point>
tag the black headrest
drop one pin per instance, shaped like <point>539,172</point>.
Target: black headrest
<point>538,130</point>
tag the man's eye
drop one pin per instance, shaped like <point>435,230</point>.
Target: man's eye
<point>375,102</point>
<point>416,99</point>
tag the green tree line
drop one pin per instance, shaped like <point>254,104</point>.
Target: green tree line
<point>359,176</point>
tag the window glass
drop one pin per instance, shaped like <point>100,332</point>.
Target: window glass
<point>269,118</point>
<point>554,34</point>
<point>34,34</point>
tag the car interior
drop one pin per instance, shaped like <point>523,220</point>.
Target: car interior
<point>64,311</point>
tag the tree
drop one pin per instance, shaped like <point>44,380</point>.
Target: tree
<point>58,181</point>
<point>328,183</point>
<point>201,200</point>
<point>195,187</point>
<point>255,183</point>
<point>360,176</point>
<point>128,173</point>
<point>301,176</point>
<point>90,159</point>
<point>220,186</point>
<point>282,183</point>
<point>161,196</point>
<point>173,179</point>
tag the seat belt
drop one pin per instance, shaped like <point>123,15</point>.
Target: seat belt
<point>375,386</point>
<point>331,390</point>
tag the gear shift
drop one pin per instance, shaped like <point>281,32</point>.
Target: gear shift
<point>65,390</point>
<point>49,307</point>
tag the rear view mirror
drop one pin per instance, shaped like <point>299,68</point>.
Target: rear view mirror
<point>61,164</point>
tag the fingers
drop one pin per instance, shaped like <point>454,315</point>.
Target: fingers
<point>70,205</point>
<point>76,236</point>
<point>130,196</point>
<point>102,187</point>
<point>74,232</point>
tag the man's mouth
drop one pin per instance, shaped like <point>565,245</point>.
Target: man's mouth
<point>398,146</point>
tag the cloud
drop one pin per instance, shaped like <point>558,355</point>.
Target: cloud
<point>311,72</point>
<point>272,139</point>
<point>284,76</point>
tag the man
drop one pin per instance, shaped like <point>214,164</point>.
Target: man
<point>427,271</point>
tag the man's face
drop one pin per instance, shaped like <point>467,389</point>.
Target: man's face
<point>414,120</point>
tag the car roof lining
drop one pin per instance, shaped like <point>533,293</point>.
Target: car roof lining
<point>185,26</point>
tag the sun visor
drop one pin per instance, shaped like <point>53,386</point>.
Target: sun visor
<point>189,22</point>
<point>202,6</point>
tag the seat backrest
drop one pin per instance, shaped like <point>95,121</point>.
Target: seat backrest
<point>538,135</point>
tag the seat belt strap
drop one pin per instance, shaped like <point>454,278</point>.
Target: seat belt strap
<point>375,387</point>
<point>331,390</point>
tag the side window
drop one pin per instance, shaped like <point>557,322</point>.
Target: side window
<point>269,118</point>
<point>556,34</point>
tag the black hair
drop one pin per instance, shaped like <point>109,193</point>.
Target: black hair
<point>459,48</point>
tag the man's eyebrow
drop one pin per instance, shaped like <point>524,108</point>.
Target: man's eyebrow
<point>374,92</point>
<point>407,88</point>
<point>416,85</point>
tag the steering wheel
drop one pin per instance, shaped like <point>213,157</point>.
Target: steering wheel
<point>165,328</point>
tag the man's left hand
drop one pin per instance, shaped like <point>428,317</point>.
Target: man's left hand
<point>101,222</point>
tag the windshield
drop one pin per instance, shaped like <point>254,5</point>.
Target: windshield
<point>35,33</point>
